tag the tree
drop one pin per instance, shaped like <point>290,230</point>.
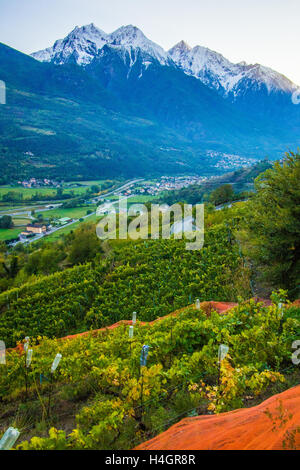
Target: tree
<point>222,194</point>
<point>271,234</point>
<point>12,196</point>
<point>59,193</point>
<point>95,189</point>
<point>14,267</point>
<point>6,222</point>
<point>84,246</point>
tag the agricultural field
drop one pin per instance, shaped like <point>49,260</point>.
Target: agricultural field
<point>89,183</point>
<point>10,233</point>
<point>72,213</point>
<point>215,327</point>
<point>21,221</point>
<point>69,187</point>
<point>139,198</point>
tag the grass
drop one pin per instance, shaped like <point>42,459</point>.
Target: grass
<point>142,198</point>
<point>48,191</point>
<point>9,233</point>
<point>21,222</point>
<point>139,198</point>
<point>74,213</point>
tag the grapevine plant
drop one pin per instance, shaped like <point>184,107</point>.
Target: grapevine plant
<point>153,277</point>
<point>119,404</point>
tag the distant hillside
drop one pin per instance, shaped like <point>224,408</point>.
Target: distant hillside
<point>60,122</point>
<point>124,115</point>
<point>242,180</point>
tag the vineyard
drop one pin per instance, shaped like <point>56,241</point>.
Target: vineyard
<point>152,277</point>
<point>101,397</point>
<point>120,344</point>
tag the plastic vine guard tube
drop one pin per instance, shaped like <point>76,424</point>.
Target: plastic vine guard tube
<point>9,438</point>
<point>29,357</point>
<point>56,362</point>
<point>223,351</point>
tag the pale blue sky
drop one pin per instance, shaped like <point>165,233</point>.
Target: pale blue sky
<point>264,31</point>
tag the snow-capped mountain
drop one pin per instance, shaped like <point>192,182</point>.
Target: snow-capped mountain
<point>83,44</point>
<point>131,37</point>
<point>131,108</point>
<point>231,80</point>
<point>227,78</point>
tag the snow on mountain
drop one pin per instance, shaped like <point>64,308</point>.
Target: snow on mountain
<point>83,44</point>
<point>219,73</point>
<point>132,37</point>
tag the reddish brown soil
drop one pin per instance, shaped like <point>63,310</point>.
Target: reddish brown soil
<point>220,307</point>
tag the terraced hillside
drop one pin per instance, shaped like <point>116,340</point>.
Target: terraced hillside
<point>151,277</point>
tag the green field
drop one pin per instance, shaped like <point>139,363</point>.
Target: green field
<point>74,213</point>
<point>50,191</point>
<point>21,221</point>
<point>139,198</point>
<point>9,233</point>
<point>89,183</point>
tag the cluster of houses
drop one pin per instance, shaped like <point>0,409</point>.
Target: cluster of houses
<point>225,161</point>
<point>166,183</point>
<point>36,183</point>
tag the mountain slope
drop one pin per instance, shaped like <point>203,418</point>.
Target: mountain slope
<point>102,104</point>
<point>257,93</point>
<point>74,127</point>
<point>100,119</point>
<point>219,73</point>
<point>231,80</point>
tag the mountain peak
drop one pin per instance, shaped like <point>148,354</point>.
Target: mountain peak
<point>83,44</point>
<point>87,31</point>
<point>181,46</point>
<point>132,37</point>
<point>127,35</point>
